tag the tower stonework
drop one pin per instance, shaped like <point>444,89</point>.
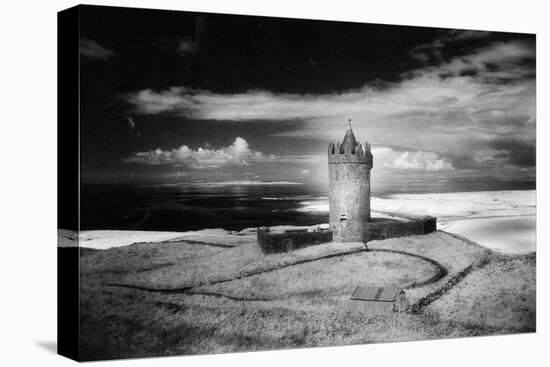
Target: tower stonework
<point>349,189</point>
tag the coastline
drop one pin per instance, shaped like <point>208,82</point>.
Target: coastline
<point>500,220</point>
<point>503,221</point>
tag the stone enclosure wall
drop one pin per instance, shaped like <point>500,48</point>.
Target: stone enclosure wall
<point>276,242</point>
<point>382,229</point>
<point>290,240</point>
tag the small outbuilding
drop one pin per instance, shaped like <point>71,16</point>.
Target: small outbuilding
<point>372,301</point>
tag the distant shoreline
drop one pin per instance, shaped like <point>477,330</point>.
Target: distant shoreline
<point>502,220</point>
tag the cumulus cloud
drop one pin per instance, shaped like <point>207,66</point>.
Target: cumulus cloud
<point>236,154</point>
<point>423,161</point>
<point>456,108</point>
<point>398,159</point>
<point>94,50</point>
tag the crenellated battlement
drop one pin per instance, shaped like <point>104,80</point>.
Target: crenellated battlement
<point>345,153</point>
<point>350,151</point>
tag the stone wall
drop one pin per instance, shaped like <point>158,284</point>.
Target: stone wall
<point>289,240</point>
<point>273,242</point>
<point>379,230</point>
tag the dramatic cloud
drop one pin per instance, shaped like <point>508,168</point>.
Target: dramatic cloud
<point>515,152</point>
<point>433,51</point>
<point>457,109</point>
<point>500,62</point>
<point>423,161</point>
<point>388,158</point>
<point>426,89</point>
<point>236,154</point>
<point>94,50</point>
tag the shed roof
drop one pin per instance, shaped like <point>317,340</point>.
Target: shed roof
<point>382,294</point>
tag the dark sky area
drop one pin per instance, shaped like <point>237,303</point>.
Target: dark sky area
<point>177,96</point>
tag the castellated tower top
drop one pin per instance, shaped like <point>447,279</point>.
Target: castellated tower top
<point>349,144</point>
<point>350,151</point>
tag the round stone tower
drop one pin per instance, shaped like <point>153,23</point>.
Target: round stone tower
<point>349,166</point>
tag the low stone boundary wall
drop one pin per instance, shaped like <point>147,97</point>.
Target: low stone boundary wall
<point>272,242</point>
<point>410,226</point>
<point>380,229</point>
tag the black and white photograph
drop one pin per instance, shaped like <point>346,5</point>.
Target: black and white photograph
<point>238,183</point>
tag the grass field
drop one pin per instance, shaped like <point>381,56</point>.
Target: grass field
<point>186,296</point>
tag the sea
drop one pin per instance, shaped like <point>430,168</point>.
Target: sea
<point>235,205</point>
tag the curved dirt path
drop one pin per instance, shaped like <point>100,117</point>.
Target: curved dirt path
<point>440,273</point>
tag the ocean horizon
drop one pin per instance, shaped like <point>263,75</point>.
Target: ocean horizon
<point>235,205</point>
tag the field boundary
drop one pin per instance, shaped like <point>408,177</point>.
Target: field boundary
<point>438,293</point>
<point>244,275</point>
<point>441,272</point>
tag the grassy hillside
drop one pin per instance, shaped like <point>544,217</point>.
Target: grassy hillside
<point>186,296</point>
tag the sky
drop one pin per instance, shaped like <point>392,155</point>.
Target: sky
<point>184,97</point>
